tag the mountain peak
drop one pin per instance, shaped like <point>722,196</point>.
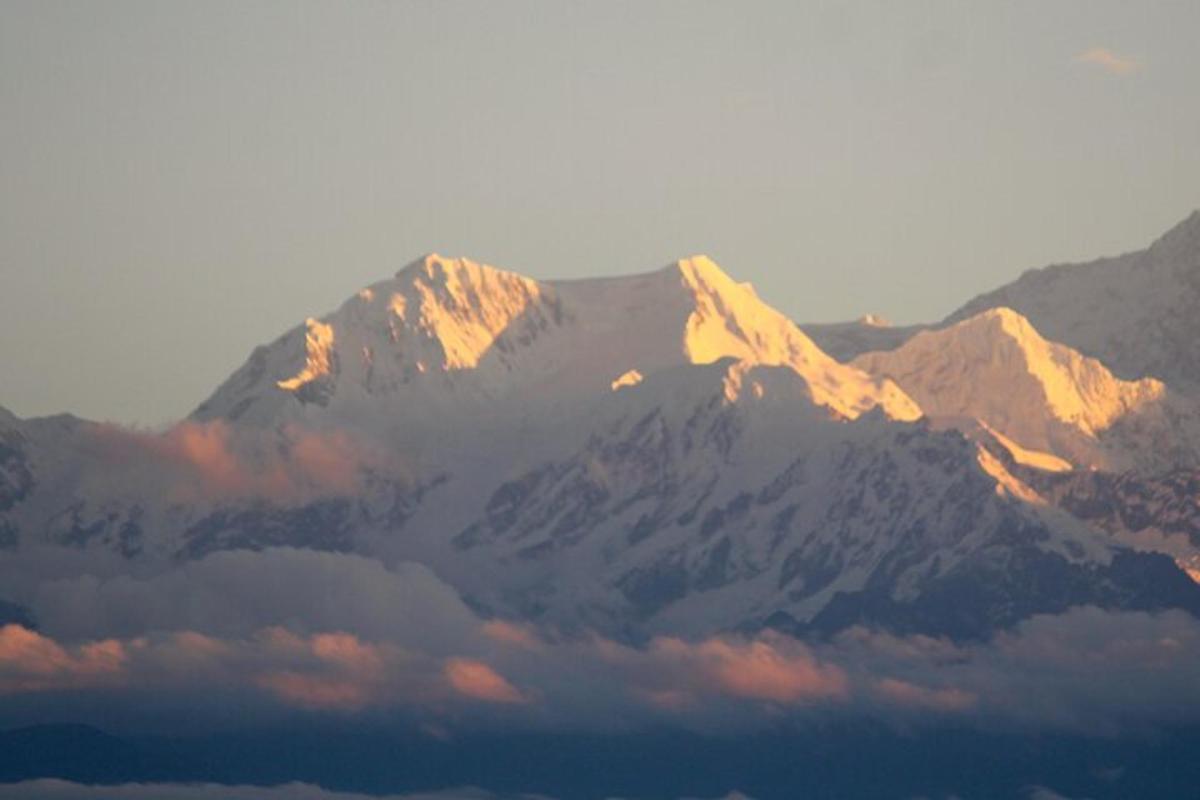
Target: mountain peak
<point>439,269</point>
<point>726,318</point>
<point>729,319</point>
<point>1002,320</point>
<point>1135,312</point>
<point>997,368</point>
<point>701,271</point>
<point>492,333</point>
<point>700,267</point>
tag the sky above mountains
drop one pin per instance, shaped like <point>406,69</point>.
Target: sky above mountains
<point>182,183</point>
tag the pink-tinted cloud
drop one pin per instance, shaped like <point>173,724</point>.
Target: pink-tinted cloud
<point>477,680</point>
<point>199,646</point>
<point>32,662</point>
<point>1083,670</point>
<point>909,694</point>
<point>322,671</point>
<point>510,633</point>
<point>348,653</point>
<point>335,671</point>
<point>772,668</point>
<point>208,460</point>
<point>1108,61</point>
<point>331,460</point>
<point>316,692</point>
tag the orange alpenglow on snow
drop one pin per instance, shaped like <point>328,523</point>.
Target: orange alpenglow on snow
<point>495,333</point>
<point>729,319</point>
<point>465,306</point>
<point>1045,398</point>
<point>318,347</point>
<point>630,378</point>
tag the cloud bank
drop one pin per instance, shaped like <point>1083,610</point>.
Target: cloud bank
<point>292,631</point>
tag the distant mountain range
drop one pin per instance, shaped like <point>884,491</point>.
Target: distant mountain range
<point>667,453</point>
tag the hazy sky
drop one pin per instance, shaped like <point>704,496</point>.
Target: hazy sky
<point>181,182</point>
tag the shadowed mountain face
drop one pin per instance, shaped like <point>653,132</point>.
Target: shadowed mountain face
<point>660,453</point>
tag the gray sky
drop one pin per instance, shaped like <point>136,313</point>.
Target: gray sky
<point>181,182</point>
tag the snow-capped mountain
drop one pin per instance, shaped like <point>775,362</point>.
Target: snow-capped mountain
<point>1159,513</point>
<point>445,335</point>
<point>654,452</point>
<point>722,497</point>
<point>1135,312</point>
<point>1043,398</point>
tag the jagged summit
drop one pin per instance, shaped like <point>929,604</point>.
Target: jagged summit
<point>436,316</point>
<point>461,305</point>
<point>995,367</point>
<point>433,269</point>
<point>692,311</point>
<point>452,330</point>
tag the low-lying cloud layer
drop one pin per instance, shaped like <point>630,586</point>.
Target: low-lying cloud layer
<point>237,593</point>
<point>291,631</point>
<point>199,461</point>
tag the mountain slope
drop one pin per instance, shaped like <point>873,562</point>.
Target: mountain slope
<point>1152,513</point>
<point>722,497</point>
<point>1043,396</point>
<point>1135,312</point>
